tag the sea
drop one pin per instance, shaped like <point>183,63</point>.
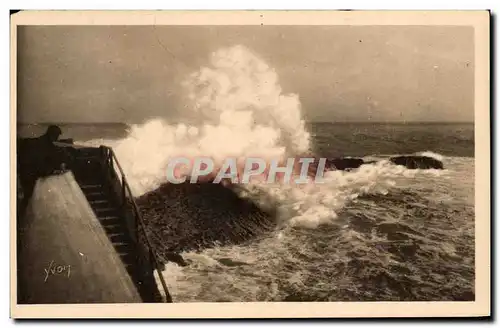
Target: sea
<point>388,233</point>
<point>380,232</point>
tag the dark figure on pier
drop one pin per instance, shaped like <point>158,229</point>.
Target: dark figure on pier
<point>38,157</point>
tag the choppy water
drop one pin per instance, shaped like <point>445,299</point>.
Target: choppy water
<point>411,239</point>
<point>414,243</point>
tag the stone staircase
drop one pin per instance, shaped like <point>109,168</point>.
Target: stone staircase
<point>87,168</point>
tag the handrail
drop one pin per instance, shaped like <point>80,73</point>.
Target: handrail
<point>143,226</point>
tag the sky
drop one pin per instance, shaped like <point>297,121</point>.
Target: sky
<point>129,74</point>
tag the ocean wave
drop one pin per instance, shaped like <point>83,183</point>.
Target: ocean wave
<point>396,247</point>
<point>311,205</point>
<point>243,113</point>
<point>372,233</point>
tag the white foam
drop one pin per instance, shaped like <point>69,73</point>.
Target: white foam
<point>431,154</point>
<point>240,111</point>
<point>311,205</point>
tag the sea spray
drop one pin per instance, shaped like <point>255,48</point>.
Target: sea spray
<point>240,112</point>
<point>431,154</point>
<point>311,205</point>
<point>237,109</point>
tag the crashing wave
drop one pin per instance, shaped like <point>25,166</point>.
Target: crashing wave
<point>240,111</point>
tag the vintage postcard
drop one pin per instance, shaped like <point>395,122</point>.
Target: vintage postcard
<point>250,164</point>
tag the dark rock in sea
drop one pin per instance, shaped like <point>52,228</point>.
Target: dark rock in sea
<point>350,163</point>
<point>183,217</point>
<point>344,163</point>
<point>417,162</point>
<point>338,163</point>
<point>409,161</point>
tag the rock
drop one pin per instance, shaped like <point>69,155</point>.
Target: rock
<point>339,163</point>
<point>344,163</point>
<point>417,162</point>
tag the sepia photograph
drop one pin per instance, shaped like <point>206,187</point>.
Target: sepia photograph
<point>251,162</point>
